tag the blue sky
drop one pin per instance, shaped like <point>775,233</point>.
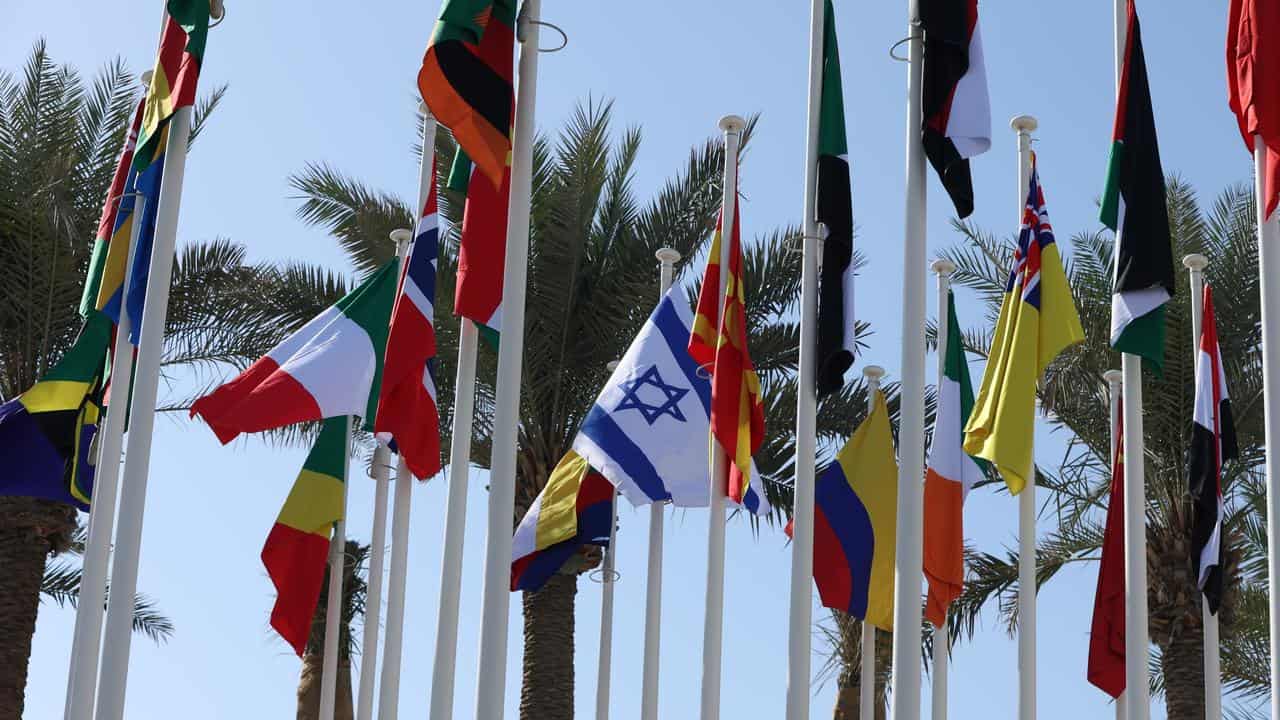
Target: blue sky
<point>335,83</point>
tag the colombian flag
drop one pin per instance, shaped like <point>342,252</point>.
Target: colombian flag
<point>573,510</point>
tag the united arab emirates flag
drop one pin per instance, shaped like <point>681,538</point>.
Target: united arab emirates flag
<point>1133,205</point>
<point>835,212</point>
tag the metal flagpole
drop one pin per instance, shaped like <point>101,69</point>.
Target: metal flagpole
<point>910,536</point>
<point>373,597</point>
<point>1195,264</point>
<point>389,689</point>
<point>867,669</point>
<point>1137,692</point>
<point>1114,379</point>
<point>492,675</point>
<point>713,627</point>
<point>608,578</point>
<point>333,604</point>
<point>799,634</point>
<point>941,638</point>
<point>1024,125</point>
<point>87,642</point>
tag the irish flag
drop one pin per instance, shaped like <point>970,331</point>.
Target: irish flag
<point>331,367</point>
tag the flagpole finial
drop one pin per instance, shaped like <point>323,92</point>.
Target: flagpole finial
<point>424,110</point>
<point>1195,262</point>
<point>146,78</point>
<point>216,10</point>
<point>401,238</point>
<point>1024,123</point>
<point>1113,378</point>
<point>732,123</point>
<point>667,255</point>
<point>873,372</point>
<point>943,267</point>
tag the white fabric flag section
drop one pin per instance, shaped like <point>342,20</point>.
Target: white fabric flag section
<point>969,124</point>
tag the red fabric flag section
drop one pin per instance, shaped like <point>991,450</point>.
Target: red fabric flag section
<point>1106,640</point>
<point>1253,76</point>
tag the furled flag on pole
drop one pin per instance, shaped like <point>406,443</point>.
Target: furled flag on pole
<point>836,340</point>
<point>176,73</point>
<point>329,368</point>
<point>1213,440</point>
<point>1133,205</point>
<point>950,477</point>
<point>146,182</point>
<point>47,432</point>
<point>483,245</point>
<point>1106,638</point>
<point>1253,74</point>
<point>957,106</point>
<point>466,78</point>
<point>855,523</point>
<point>1038,320</point>
<point>576,505</point>
<point>719,342</point>
<point>407,410</point>
<point>110,246</point>
<point>297,547</point>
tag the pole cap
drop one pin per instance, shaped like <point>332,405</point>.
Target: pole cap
<point>146,78</point>
<point>732,123</point>
<point>424,110</point>
<point>943,267</point>
<point>667,255</point>
<point>1113,377</point>
<point>873,372</point>
<point>401,236</point>
<point>216,9</point>
<point>1195,262</point>
<point>613,365</point>
<point>1024,123</point>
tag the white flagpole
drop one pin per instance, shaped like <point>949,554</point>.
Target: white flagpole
<point>867,669</point>
<point>941,638</point>
<point>910,537</point>
<point>373,597</point>
<point>1195,264</point>
<point>496,600</point>
<point>1137,692</point>
<point>333,606</point>
<point>1114,379</point>
<point>1268,271</point>
<point>667,259</point>
<point>87,642</point>
<point>1024,125</point>
<point>799,633</point>
<point>608,576</point>
<point>713,625</point>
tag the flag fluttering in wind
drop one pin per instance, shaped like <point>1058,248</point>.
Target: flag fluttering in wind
<point>483,245</point>
<point>407,410</point>
<point>957,105</point>
<point>836,340</point>
<point>1038,320</point>
<point>1253,74</point>
<point>575,509</point>
<point>146,183</point>
<point>855,523</point>
<point>950,477</point>
<point>1213,441</point>
<point>466,78</point>
<point>176,73</point>
<point>329,368</point>
<point>718,343</point>
<point>297,548</point>
<point>1134,206</point>
<point>110,244</point>
<point>1106,638</point>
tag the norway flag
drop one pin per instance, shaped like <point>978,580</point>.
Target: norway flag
<point>407,411</point>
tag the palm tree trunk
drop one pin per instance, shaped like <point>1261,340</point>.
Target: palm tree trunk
<point>1182,665</point>
<point>309,689</point>
<point>546,691</point>
<point>29,531</point>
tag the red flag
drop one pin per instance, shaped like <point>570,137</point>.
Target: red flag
<point>1253,74</point>
<point>1106,639</point>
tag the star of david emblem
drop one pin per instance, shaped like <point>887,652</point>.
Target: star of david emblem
<point>648,385</point>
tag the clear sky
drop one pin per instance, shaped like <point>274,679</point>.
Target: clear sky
<point>334,82</point>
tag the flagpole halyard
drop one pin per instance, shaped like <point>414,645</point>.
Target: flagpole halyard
<point>373,596</point>
<point>941,639</point>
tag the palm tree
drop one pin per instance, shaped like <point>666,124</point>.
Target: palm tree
<point>354,589</point>
<point>1073,397</point>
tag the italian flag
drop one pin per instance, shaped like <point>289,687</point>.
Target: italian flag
<point>329,368</point>
<point>1133,205</point>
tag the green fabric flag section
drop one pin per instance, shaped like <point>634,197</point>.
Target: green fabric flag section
<point>370,308</point>
<point>956,368</point>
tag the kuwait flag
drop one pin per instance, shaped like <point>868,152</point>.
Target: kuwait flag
<point>1213,440</point>
<point>1106,638</point>
<point>329,368</point>
<point>957,106</point>
<point>952,474</point>
<point>835,212</point>
<point>1133,205</point>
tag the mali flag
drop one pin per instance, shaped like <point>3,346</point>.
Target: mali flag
<point>298,545</point>
<point>1133,205</point>
<point>466,78</point>
<point>177,70</point>
<point>1038,320</point>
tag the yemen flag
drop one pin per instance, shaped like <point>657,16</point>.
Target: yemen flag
<point>1213,440</point>
<point>330,368</point>
<point>1253,73</point>
<point>836,341</point>
<point>951,475</point>
<point>957,107</point>
<point>177,70</point>
<point>106,267</point>
<point>466,78</point>
<point>737,411</point>
<point>1133,205</point>
<point>47,432</point>
<point>1038,320</point>
<point>575,509</point>
<point>483,246</point>
<point>297,547</point>
<point>1106,638</point>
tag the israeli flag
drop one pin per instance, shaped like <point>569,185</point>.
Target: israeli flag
<point>649,429</point>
